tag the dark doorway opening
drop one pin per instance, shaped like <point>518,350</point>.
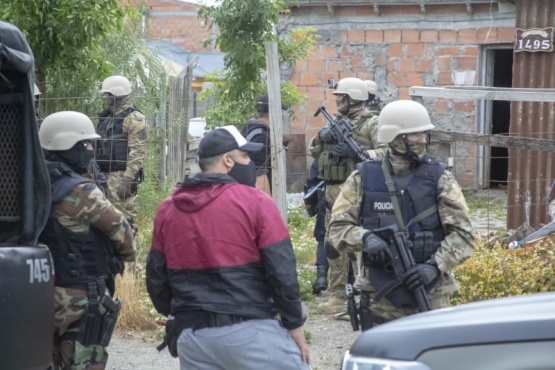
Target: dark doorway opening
<point>501,117</point>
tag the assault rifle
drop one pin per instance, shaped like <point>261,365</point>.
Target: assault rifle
<point>99,177</point>
<point>342,132</point>
<point>402,260</point>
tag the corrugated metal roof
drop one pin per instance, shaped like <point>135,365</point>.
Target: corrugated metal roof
<point>208,61</point>
<point>531,173</point>
<point>391,2</point>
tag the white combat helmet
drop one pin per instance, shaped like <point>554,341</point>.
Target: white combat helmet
<point>402,117</point>
<point>371,86</point>
<point>62,130</point>
<point>116,85</point>
<point>354,87</point>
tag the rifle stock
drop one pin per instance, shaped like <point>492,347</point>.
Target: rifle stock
<point>402,260</point>
<point>343,133</point>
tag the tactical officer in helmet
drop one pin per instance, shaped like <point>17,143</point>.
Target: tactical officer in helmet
<point>336,161</point>
<point>429,205</point>
<point>85,234</point>
<point>120,153</point>
<point>374,102</point>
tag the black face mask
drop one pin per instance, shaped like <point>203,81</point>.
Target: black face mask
<point>78,157</point>
<point>244,173</point>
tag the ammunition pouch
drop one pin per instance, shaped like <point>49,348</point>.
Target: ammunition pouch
<point>423,246</point>
<point>96,327</point>
<point>332,168</point>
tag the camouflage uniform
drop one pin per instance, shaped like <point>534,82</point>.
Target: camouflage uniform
<point>367,129</point>
<point>82,208</point>
<point>135,129</point>
<point>346,234</point>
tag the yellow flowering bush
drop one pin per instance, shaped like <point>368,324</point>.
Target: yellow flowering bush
<point>494,271</point>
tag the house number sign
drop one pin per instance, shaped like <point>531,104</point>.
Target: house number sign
<point>534,39</point>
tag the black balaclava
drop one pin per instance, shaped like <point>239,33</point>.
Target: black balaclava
<point>244,173</point>
<point>77,157</point>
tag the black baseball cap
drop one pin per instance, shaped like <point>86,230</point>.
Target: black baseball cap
<point>224,139</point>
<point>263,107</point>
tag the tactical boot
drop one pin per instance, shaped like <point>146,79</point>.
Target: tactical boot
<point>321,282</point>
<point>334,305</point>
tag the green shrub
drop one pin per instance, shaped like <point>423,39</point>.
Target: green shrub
<point>498,272</point>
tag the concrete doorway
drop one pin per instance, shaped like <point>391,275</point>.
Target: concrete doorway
<point>494,117</point>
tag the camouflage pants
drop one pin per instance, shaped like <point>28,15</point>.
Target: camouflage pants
<point>339,267</point>
<point>69,354</point>
<point>128,206</point>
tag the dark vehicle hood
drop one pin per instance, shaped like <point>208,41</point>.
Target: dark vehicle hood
<point>502,320</point>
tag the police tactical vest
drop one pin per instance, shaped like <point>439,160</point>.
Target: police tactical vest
<point>416,192</point>
<point>332,168</point>
<point>112,148</point>
<point>78,257</point>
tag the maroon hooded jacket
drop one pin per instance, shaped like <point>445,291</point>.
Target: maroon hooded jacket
<point>223,247</point>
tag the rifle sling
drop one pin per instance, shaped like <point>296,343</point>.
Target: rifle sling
<point>389,287</point>
<point>396,207</point>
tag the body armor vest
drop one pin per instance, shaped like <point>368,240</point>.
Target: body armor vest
<point>417,192</point>
<point>78,257</point>
<point>332,168</point>
<point>112,148</point>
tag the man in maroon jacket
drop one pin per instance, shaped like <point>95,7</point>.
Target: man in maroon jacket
<point>222,264</point>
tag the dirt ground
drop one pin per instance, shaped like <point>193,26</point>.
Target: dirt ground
<point>329,339</point>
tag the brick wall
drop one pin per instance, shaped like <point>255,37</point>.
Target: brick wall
<point>399,48</point>
<point>176,22</point>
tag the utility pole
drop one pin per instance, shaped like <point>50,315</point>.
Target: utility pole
<point>276,129</point>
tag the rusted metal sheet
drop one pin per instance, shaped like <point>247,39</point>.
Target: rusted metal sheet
<point>390,2</point>
<point>531,173</point>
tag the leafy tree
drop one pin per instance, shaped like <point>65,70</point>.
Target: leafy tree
<point>244,28</point>
<point>65,32</point>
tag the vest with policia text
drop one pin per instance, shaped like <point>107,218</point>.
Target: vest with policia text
<point>78,257</point>
<point>111,148</point>
<point>416,192</point>
<point>332,168</point>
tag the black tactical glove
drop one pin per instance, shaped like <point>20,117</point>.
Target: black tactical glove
<point>125,189</point>
<point>421,275</point>
<point>344,150</point>
<point>376,249</point>
<point>326,136</point>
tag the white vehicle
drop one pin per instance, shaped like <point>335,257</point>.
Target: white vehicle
<point>197,126</point>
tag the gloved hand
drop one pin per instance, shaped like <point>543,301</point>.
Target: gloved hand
<point>421,275</point>
<point>376,249</point>
<point>343,150</point>
<point>124,189</point>
<point>326,136</point>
